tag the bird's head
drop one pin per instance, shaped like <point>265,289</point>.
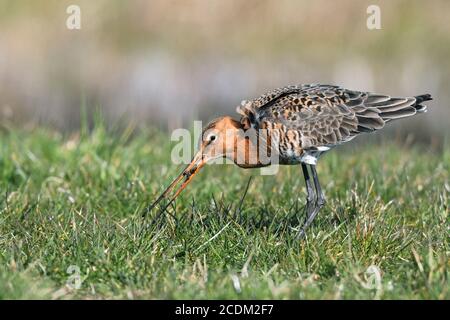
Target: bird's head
<point>218,140</point>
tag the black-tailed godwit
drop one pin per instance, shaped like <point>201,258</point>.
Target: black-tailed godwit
<point>299,124</point>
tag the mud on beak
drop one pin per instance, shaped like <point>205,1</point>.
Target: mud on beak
<point>182,180</point>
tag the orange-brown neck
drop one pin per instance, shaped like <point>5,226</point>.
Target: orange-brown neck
<point>246,148</point>
<point>238,144</point>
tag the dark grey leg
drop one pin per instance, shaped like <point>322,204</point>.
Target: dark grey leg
<point>309,189</point>
<point>319,192</point>
<point>319,202</point>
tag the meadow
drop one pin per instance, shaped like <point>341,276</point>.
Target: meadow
<point>70,205</point>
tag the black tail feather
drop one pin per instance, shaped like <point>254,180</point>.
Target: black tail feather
<point>423,97</point>
<point>419,99</point>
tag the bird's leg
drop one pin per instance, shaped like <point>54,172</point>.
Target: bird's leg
<point>319,192</point>
<point>309,189</point>
<point>319,202</point>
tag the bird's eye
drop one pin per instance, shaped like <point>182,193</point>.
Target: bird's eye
<point>209,138</point>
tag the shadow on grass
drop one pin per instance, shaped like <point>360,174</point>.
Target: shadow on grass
<point>219,213</point>
<point>264,218</point>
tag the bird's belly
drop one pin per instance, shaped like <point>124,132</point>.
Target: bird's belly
<point>306,156</point>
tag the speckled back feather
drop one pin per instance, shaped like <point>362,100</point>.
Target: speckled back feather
<point>314,115</point>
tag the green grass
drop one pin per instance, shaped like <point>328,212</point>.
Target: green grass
<point>76,201</point>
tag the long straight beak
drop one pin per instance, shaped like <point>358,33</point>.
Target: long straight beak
<point>187,174</point>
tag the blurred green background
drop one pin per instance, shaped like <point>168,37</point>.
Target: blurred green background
<point>166,63</point>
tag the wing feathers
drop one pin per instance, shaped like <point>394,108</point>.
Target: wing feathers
<point>405,112</point>
<point>324,114</point>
